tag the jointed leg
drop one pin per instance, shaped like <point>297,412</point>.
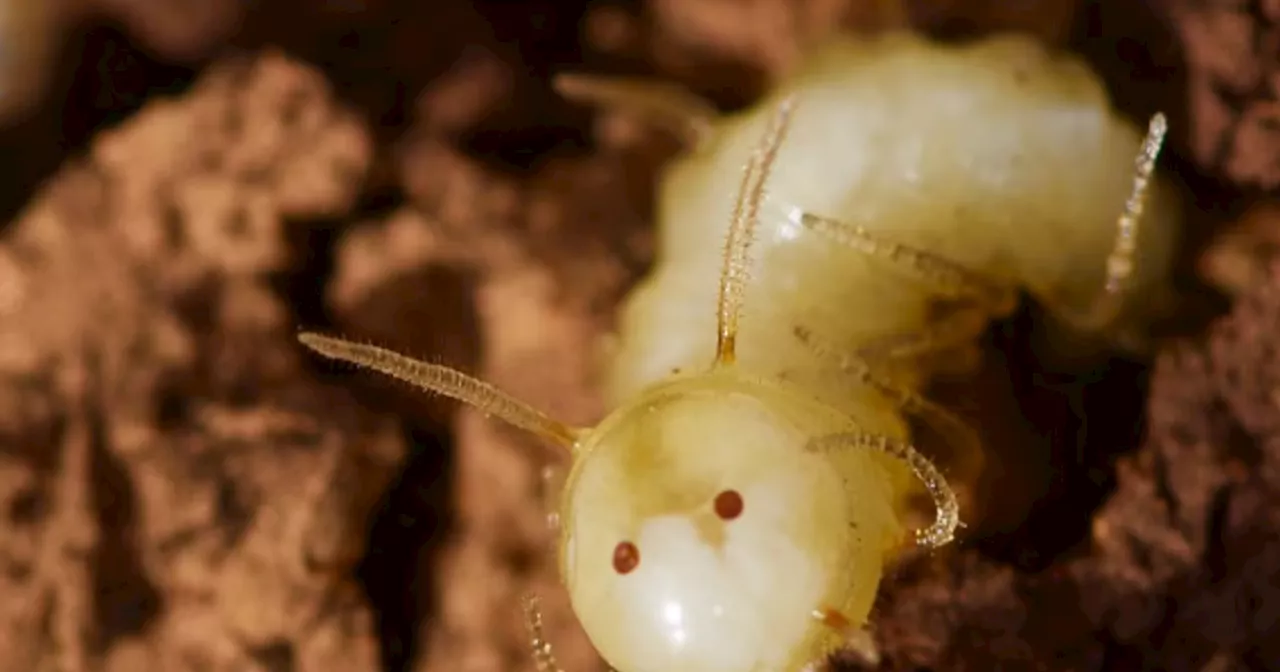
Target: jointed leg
<point>945,423</point>
<point>948,333</point>
<point>943,529</point>
<point>951,280</point>
<point>948,517</point>
<point>543,657</point>
<point>686,114</point>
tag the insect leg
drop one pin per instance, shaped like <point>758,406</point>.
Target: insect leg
<point>953,333</point>
<point>684,113</point>
<point>966,457</point>
<point>951,279</point>
<point>1119,268</point>
<point>945,423</point>
<point>543,657</point>
<point>943,529</point>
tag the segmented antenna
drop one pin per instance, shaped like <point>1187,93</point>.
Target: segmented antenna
<point>446,381</point>
<point>742,228</point>
<point>544,657</point>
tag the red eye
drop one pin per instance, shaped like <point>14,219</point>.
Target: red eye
<point>728,505</point>
<point>626,557</point>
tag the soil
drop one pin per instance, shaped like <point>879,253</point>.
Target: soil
<point>1233,92</point>
<point>183,488</point>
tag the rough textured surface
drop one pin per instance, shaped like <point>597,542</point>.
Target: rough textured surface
<point>147,368</point>
<point>1180,568</point>
<point>183,489</point>
<point>1231,52</point>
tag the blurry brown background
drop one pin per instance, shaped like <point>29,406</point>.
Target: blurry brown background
<point>188,182</point>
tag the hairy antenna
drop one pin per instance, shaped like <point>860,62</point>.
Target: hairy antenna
<point>544,657</point>
<point>1120,261</point>
<point>943,530</point>
<point>446,381</point>
<point>746,216</point>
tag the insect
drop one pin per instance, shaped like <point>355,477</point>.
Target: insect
<point>735,509</point>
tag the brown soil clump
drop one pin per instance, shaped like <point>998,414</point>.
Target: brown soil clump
<point>1231,52</point>
<point>178,492</point>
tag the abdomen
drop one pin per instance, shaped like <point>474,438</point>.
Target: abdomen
<point>999,156</point>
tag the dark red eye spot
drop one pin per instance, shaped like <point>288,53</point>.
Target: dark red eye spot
<point>626,557</point>
<point>728,505</point>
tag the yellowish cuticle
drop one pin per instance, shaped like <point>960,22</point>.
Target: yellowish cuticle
<point>889,177</point>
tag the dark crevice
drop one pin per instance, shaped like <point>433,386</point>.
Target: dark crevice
<point>275,656</point>
<point>408,525</point>
<point>1216,562</point>
<point>173,406</point>
<point>234,514</point>
<point>1139,59</point>
<point>1241,445</point>
<point>1119,656</point>
<point>381,59</point>
<point>124,599</point>
<point>27,507</point>
<point>428,313</point>
<point>303,286</point>
<point>408,530</point>
<point>1077,424</point>
<point>544,35</point>
<point>314,245</point>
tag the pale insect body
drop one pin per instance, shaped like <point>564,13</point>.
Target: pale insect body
<point>1000,156</point>
<point>737,516</point>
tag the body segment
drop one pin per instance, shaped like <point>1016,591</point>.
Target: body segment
<point>1003,157</point>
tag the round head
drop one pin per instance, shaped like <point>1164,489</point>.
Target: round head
<point>701,532</point>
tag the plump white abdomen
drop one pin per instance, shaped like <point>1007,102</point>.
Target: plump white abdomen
<point>998,156</point>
